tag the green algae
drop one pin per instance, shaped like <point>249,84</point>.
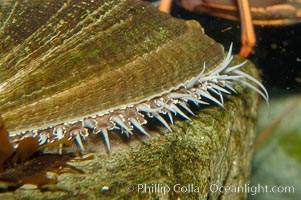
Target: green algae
<point>290,143</point>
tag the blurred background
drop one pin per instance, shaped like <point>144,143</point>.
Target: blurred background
<point>277,55</point>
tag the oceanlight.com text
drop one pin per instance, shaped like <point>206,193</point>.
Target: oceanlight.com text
<point>252,189</point>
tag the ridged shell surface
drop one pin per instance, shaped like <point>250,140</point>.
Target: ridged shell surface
<point>61,61</point>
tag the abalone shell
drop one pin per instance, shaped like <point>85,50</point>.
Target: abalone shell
<point>66,62</point>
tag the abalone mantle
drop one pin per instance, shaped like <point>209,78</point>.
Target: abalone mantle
<point>64,62</point>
